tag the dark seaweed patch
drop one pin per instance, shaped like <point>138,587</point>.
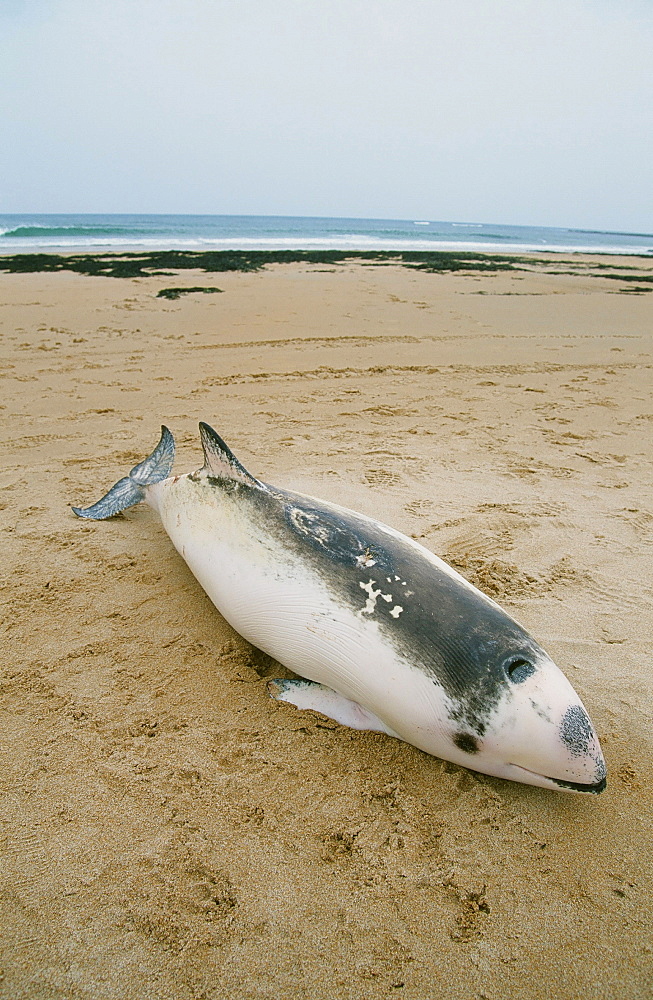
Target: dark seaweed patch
<point>145,265</point>
<point>176,293</point>
<point>168,262</point>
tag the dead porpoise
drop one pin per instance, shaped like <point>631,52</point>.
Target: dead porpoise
<point>386,635</point>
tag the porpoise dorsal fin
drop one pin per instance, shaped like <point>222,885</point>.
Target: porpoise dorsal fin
<point>219,460</point>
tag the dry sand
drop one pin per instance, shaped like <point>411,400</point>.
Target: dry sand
<point>167,831</point>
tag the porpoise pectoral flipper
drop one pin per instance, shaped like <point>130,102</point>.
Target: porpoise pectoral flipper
<point>323,699</point>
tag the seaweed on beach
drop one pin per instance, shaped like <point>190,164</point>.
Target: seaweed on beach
<point>175,293</point>
<point>167,262</point>
<point>627,279</point>
<point>633,289</point>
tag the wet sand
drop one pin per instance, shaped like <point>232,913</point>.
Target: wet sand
<point>167,831</point>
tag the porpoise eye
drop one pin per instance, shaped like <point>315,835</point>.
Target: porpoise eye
<point>518,669</point>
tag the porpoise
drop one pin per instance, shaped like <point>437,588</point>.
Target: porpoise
<point>383,634</point>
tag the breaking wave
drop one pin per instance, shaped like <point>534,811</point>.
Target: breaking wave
<point>45,232</point>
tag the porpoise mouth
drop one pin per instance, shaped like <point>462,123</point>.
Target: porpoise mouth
<point>593,788</point>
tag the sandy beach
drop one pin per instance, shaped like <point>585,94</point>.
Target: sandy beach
<point>167,830</point>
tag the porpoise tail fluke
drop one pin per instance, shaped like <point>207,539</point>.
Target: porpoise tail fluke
<point>131,490</point>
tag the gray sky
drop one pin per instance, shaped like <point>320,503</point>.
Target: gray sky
<point>513,111</point>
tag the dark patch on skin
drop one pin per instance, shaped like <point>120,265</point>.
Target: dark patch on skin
<point>446,629</point>
<point>466,742</point>
<point>577,734</point>
<point>576,731</point>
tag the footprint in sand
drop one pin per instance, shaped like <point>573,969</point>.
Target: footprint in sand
<point>382,477</point>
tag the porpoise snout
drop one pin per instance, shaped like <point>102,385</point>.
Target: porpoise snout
<point>578,736</point>
<point>565,751</point>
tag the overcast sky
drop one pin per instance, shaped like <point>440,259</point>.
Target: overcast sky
<point>508,111</point>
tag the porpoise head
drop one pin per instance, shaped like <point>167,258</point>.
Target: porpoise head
<point>537,731</point>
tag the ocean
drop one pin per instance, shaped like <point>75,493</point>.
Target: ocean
<point>98,233</point>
